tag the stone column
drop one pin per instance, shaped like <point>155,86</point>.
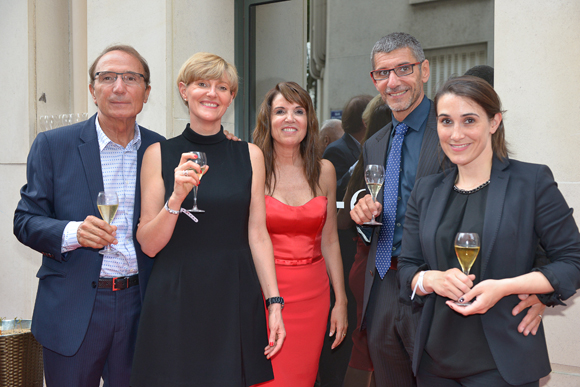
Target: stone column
<point>536,55</point>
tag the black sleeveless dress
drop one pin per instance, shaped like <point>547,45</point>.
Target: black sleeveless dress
<point>203,321</point>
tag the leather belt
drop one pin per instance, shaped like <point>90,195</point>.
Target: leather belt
<point>118,283</point>
<point>297,262</point>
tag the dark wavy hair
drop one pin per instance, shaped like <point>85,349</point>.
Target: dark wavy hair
<point>480,92</point>
<point>310,148</point>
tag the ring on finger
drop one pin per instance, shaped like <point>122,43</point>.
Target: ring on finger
<point>540,316</point>
<point>185,173</point>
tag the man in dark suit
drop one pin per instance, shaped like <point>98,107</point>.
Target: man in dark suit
<point>345,151</point>
<point>87,305</point>
<point>399,72</point>
<point>330,131</point>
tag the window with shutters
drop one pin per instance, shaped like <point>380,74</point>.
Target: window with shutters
<point>445,62</point>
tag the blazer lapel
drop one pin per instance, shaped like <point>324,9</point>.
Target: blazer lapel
<point>431,157</point>
<point>436,207</point>
<point>352,146</point>
<point>91,159</point>
<point>493,208</point>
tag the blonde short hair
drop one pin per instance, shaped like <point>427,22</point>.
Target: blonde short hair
<point>203,65</point>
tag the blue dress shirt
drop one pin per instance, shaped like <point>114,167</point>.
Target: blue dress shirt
<point>417,122</point>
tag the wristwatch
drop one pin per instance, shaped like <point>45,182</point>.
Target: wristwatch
<point>275,300</point>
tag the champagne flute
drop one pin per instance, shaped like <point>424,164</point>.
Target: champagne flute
<point>200,159</point>
<point>374,177</point>
<point>466,248</point>
<point>108,202</point>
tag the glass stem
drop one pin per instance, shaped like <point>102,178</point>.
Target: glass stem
<point>195,196</point>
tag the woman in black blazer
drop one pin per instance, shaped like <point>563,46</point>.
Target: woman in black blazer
<point>513,206</point>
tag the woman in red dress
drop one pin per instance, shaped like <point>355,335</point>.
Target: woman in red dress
<point>301,221</point>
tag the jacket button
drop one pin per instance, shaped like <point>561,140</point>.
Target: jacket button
<point>94,284</point>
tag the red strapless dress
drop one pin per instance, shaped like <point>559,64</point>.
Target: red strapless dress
<point>303,282</point>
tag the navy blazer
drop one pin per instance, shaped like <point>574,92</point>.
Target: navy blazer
<point>64,177</point>
<point>342,153</point>
<point>524,206</point>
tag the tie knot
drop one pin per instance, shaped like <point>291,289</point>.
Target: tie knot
<point>401,129</point>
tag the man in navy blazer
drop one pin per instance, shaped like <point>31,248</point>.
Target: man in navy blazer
<point>345,151</point>
<point>87,305</point>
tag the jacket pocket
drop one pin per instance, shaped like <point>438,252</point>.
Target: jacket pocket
<point>45,271</point>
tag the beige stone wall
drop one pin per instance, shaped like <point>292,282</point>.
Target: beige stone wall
<point>48,46</point>
<point>536,48</point>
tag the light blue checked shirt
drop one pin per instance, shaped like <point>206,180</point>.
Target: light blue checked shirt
<point>119,166</point>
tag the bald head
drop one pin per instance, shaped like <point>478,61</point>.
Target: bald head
<point>330,131</point>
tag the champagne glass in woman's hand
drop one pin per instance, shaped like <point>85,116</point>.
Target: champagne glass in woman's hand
<point>108,202</point>
<point>374,177</point>
<point>200,159</point>
<point>466,248</point>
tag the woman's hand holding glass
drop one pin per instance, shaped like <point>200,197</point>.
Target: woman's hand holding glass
<point>487,292</point>
<point>186,177</point>
<point>452,284</point>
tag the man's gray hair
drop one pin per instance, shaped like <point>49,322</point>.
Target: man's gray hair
<point>395,41</point>
<point>331,122</point>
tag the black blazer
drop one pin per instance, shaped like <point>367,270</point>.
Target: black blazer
<point>64,177</point>
<point>342,153</point>
<point>524,206</point>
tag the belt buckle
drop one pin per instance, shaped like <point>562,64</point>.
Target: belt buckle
<point>115,283</point>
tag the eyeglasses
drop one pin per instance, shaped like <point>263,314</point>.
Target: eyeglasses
<point>401,71</point>
<point>109,77</point>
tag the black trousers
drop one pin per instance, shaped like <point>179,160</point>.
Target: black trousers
<point>391,327</point>
<point>484,379</point>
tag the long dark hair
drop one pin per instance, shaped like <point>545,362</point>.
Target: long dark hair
<point>480,92</point>
<point>310,149</point>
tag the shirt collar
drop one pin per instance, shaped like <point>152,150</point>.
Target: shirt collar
<point>417,117</point>
<point>133,145</point>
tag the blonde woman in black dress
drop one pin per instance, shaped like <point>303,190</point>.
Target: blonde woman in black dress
<point>203,316</point>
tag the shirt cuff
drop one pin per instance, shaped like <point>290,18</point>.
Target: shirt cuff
<point>69,237</point>
<point>366,233</point>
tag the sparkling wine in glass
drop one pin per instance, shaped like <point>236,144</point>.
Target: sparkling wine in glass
<point>108,202</point>
<point>374,177</point>
<point>200,159</point>
<point>466,248</point>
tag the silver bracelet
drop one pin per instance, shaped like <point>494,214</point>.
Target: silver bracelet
<point>172,212</point>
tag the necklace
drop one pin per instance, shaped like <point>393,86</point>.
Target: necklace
<point>469,192</point>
